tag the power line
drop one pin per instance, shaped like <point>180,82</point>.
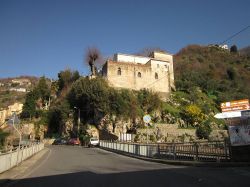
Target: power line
<point>245,28</point>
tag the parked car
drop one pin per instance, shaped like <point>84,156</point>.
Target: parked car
<point>74,141</point>
<point>93,142</point>
<point>60,141</point>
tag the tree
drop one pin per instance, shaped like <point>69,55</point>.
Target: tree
<point>43,89</point>
<point>148,100</point>
<point>231,72</point>
<point>57,117</point>
<point>233,49</point>
<point>90,96</point>
<point>92,55</point>
<point>66,78</point>
<point>203,131</point>
<point>3,136</point>
<point>29,107</point>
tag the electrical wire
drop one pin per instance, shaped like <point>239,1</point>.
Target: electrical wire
<point>242,30</point>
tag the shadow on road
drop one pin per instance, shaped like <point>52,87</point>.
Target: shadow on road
<point>165,177</point>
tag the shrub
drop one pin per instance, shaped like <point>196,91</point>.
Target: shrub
<point>203,131</point>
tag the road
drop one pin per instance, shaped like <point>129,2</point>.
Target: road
<point>77,166</point>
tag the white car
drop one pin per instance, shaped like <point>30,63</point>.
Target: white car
<point>93,142</point>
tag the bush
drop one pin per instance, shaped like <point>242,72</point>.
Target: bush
<point>193,114</point>
<point>167,108</point>
<point>3,136</point>
<point>203,131</point>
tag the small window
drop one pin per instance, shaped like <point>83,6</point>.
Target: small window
<point>139,74</point>
<point>156,76</point>
<point>158,65</point>
<point>119,71</point>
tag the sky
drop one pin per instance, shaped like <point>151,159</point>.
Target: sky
<point>44,37</point>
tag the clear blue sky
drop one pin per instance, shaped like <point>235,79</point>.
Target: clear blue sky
<point>43,37</point>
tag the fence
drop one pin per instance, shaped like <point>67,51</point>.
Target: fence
<point>13,157</point>
<point>202,151</point>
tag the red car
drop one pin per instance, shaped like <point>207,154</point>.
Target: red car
<point>74,141</point>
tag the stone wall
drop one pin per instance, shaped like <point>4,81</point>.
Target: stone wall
<point>168,133</point>
<point>171,132</point>
<point>137,76</point>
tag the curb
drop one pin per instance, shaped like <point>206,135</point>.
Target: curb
<point>182,163</point>
<point>13,173</point>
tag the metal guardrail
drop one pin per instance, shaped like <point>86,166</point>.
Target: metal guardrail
<point>12,157</point>
<point>197,151</point>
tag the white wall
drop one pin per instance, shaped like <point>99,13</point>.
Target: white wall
<point>13,158</point>
<point>131,58</point>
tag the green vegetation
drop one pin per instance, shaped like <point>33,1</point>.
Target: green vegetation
<point>203,131</point>
<point>221,74</point>
<point>36,99</point>
<point>96,99</point>
<point>3,136</point>
<point>10,97</point>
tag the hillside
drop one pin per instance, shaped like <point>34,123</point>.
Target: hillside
<point>245,51</point>
<point>14,89</point>
<point>222,75</point>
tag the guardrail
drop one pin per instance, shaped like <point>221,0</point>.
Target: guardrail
<point>12,157</point>
<point>195,151</point>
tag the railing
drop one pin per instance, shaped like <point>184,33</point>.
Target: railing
<point>202,151</point>
<point>12,157</point>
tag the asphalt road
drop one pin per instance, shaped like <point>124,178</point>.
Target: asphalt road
<point>77,166</point>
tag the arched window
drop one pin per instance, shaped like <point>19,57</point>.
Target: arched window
<point>119,71</point>
<point>156,76</point>
<point>139,74</point>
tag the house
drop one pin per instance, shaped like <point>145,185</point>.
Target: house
<point>18,89</point>
<point>138,72</point>
<point>21,81</point>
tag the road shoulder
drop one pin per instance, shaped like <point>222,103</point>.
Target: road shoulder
<point>24,168</point>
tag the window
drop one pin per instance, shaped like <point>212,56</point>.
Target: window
<point>158,65</point>
<point>119,71</point>
<point>139,74</point>
<point>156,76</point>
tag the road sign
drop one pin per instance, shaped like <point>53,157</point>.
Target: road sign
<point>13,120</point>
<point>235,108</point>
<point>235,105</point>
<point>147,118</point>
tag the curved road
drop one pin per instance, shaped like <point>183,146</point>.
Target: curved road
<point>78,166</point>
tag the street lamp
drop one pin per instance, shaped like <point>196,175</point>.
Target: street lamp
<point>78,121</point>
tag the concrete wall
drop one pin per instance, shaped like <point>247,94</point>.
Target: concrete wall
<point>136,149</point>
<point>13,158</point>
